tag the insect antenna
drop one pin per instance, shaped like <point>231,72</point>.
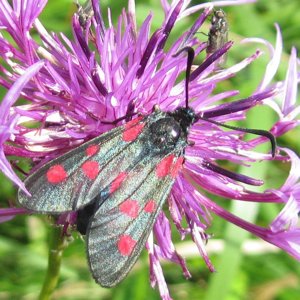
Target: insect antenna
<point>259,132</point>
<point>191,54</point>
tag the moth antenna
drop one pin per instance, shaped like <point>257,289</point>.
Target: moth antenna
<point>190,58</point>
<point>260,132</point>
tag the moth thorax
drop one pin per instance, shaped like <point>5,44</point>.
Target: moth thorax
<point>185,117</point>
<point>165,133</point>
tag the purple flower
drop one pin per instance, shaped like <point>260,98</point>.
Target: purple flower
<point>75,87</point>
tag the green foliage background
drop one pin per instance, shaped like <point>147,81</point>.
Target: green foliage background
<point>273,275</point>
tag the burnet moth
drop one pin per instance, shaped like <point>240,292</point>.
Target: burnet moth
<point>218,32</point>
<point>118,183</point>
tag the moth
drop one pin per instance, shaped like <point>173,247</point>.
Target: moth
<point>218,32</point>
<point>118,183</point>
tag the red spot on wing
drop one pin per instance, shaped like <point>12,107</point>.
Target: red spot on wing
<point>91,169</point>
<point>130,208</point>
<point>92,150</point>
<point>56,174</point>
<point>132,130</point>
<point>117,182</point>
<point>126,244</point>
<point>133,122</point>
<point>150,206</point>
<point>177,166</point>
<point>164,166</point>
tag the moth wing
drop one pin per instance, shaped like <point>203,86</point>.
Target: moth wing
<point>74,179</point>
<point>119,229</point>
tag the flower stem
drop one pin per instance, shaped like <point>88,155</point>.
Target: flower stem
<point>57,244</point>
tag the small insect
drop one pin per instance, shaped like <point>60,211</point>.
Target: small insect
<point>218,32</point>
<point>85,12</point>
<point>118,183</point>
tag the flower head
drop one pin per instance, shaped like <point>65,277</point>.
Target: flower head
<point>77,88</point>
